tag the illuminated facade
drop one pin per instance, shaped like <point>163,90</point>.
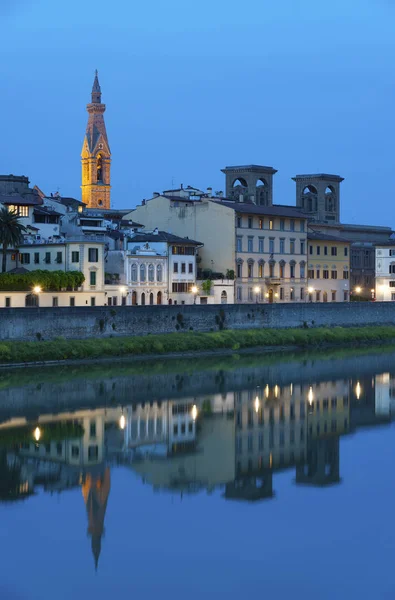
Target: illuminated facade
<point>96,155</point>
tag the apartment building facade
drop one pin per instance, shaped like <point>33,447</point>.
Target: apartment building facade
<point>328,268</point>
<point>385,272</point>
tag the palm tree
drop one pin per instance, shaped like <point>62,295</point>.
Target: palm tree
<point>11,230</point>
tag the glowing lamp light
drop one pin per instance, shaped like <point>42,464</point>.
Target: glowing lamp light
<point>358,290</point>
<point>257,403</point>
<point>37,434</point>
<point>122,289</point>
<point>122,422</point>
<point>358,390</point>
<point>37,289</point>
<point>194,289</point>
<point>257,289</point>
<point>194,412</point>
<point>310,290</point>
<point>276,295</point>
<point>267,390</point>
<point>276,391</point>
<point>310,396</point>
<point>267,295</point>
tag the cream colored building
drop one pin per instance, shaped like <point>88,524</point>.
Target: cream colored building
<point>264,246</point>
<point>328,268</point>
<point>385,272</point>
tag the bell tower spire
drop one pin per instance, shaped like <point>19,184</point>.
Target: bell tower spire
<point>96,154</point>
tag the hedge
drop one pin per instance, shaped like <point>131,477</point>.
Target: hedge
<point>47,280</point>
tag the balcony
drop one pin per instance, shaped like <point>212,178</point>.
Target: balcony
<point>273,280</point>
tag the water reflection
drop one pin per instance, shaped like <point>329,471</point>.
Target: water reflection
<point>235,441</point>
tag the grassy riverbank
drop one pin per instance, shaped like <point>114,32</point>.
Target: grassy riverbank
<point>60,349</point>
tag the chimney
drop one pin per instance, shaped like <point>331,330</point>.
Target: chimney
<point>155,231</point>
<point>209,192</point>
<point>182,186</point>
<point>241,198</point>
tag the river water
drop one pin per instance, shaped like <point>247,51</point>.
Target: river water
<point>265,475</point>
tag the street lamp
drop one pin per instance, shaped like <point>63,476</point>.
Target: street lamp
<point>122,291</point>
<point>122,422</point>
<point>194,412</point>
<point>310,291</point>
<point>194,291</point>
<point>257,289</point>
<point>37,289</point>
<point>37,434</point>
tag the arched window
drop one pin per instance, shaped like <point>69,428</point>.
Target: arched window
<point>282,268</point>
<point>292,264</point>
<point>261,192</point>
<point>151,298</point>
<point>261,268</point>
<point>239,188</point>
<point>271,268</point>
<point>134,298</point>
<point>99,168</point>
<point>325,296</point>
<point>133,272</point>
<point>142,272</point>
<point>224,297</point>
<point>31,300</point>
<point>250,264</point>
<point>159,273</point>
<point>151,273</point>
<point>302,270</point>
<point>143,299</point>
<point>159,298</point>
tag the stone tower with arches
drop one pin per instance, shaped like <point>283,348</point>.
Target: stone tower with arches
<point>319,196</point>
<point>251,183</point>
<point>96,155</point>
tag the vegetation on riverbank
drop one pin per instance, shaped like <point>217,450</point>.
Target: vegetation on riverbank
<point>61,349</point>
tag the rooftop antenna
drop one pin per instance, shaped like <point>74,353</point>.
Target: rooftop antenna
<point>172,182</point>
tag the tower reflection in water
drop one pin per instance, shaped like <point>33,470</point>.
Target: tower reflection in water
<point>235,442</point>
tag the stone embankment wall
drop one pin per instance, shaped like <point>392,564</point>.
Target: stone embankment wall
<point>87,322</point>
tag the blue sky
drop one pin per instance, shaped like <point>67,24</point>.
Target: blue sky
<point>191,87</point>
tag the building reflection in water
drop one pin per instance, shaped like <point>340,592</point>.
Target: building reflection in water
<point>235,442</point>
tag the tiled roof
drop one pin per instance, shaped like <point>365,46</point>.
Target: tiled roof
<point>21,200</point>
<point>163,236</point>
<point>325,237</point>
<point>41,210</point>
<point>270,211</point>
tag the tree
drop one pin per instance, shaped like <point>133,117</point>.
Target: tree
<point>11,230</point>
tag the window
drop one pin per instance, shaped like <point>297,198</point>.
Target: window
<point>72,301</point>
<point>392,268</point>
<point>345,251</point>
<point>183,268</point>
<point>93,452</point>
<point>318,296</point>
<point>282,270</point>
<point>249,222</point>
<point>250,242</point>
<point>261,245</point>
<point>239,270</point>
<point>325,274</point>
<point>190,267</point>
<point>239,293</point>
<point>133,272</point>
<point>334,274</point>
<point>334,251</point>
<point>260,223</point>
<point>281,293</point>
<point>271,269</point>
<point>292,246</point>
<point>326,250</point>
<point>271,245</point>
<point>151,273</point>
<point>310,249</point>
<point>8,302</point>
<point>55,301</point>
<point>75,451</point>
<point>302,293</point>
<point>159,273</point>
<point>92,429</point>
<point>271,223</point>
<point>48,258</point>
<point>250,296</point>
<point>302,247</point>
<point>92,278</point>
<point>302,271</point>
<point>310,273</point>
<point>93,301</point>
<point>282,224</point>
<point>282,246</point>
<point>21,211</point>
<point>75,257</point>
<point>142,272</point>
<point>260,270</point>
<point>333,296</point>
<point>318,250</point>
<point>292,224</point>
<point>238,221</point>
<point>239,246</point>
<point>345,296</point>
<point>36,258</point>
<point>25,258</point>
<point>250,270</point>
<point>59,257</point>
<point>292,271</point>
<point>318,273</point>
<point>392,296</point>
<point>345,274</point>
<point>302,226</point>
<point>93,255</point>
<point>292,294</point>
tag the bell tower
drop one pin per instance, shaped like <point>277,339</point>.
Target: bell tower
<point>96,155</point>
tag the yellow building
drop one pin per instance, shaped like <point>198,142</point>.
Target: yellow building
<point>328,261</point>
<point>96,155</point>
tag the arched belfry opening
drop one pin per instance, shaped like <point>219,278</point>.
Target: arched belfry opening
<point>319,196</point>
<point>250,183</point>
